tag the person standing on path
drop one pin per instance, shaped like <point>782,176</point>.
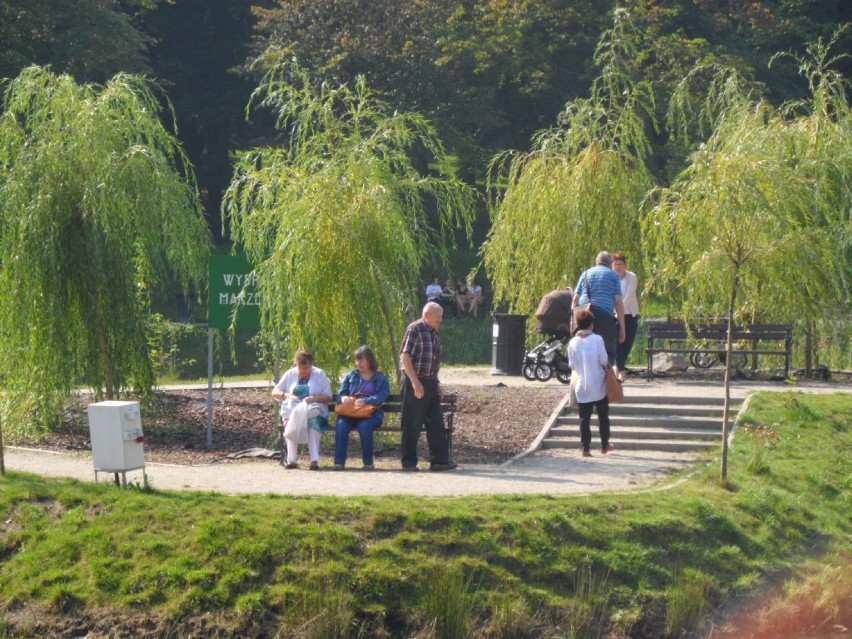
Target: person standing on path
<point>630,299</point>
<point>600,287</point>
<point>420,359</point>
<point>588,359</point>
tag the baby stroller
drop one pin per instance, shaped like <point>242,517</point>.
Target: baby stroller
<point>553,319</point>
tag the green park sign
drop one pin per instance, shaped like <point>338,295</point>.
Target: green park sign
<point>233,287</point>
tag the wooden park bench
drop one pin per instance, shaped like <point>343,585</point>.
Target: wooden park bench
<point>704,341</point>
<point>393,405</point>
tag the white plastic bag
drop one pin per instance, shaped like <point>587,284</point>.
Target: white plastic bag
<point>572,389</point>
<point>297,424</point>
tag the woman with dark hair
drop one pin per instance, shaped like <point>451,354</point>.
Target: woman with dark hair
<point>588,359</point>
<point>305,383</point>
<point>462,296</point>
<point>630,300</point>
<point>364,385</point>
<point>476,297</point>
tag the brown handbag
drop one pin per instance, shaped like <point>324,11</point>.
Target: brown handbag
<point>356,412</point>
<point>614,391</point>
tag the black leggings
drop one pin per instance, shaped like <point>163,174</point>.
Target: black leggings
<point>585,410</point>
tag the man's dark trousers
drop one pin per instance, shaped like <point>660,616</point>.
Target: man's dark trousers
<point>416,412</point>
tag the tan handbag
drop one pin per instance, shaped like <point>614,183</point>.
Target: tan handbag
<point>613,387</point>
<point>356,412</point>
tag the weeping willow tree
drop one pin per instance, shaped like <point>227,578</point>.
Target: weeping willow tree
<point>339,221</point>
<point>756,227</point>
<point>97,210</point>
<point>580,187</point>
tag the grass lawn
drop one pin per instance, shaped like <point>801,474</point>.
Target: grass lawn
<point>650,564</point>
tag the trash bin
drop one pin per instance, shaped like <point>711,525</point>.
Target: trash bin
<point>509,343</point>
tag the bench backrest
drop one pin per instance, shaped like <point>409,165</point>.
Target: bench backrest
<point>393,404</point>
<point>718,331</point>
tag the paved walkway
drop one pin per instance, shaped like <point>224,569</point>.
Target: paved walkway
<point>550,472</point>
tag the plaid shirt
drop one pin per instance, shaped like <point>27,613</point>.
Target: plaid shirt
<point>424,347</point>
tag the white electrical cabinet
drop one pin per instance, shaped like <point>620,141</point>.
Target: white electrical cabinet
<point>115,429</point>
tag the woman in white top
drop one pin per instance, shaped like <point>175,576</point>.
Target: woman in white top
<point>434,290</point>
<point>588,359</point>
<point>305,383</point>
<point>630,299</point>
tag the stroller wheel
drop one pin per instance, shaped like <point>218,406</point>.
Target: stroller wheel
<point>543,372</point>
<point>702,359</point>
<point>529,372</point>
<point>564,376</point>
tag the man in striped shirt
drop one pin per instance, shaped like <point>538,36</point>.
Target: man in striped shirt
<point>420,358</point>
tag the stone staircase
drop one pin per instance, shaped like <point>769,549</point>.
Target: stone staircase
<point>678,423</point>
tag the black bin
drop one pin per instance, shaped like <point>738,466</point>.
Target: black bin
<point>509,343</point>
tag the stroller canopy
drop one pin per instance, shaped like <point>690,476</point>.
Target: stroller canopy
<point>553,314</point>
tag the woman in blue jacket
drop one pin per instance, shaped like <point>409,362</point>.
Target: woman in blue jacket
<point>364,385</point>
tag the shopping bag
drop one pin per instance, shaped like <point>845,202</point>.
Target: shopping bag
<point>614,391</point>
<point>297,424</point>
<point>572,389</point>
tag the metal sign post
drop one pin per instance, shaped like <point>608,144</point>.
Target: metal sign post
<point>232,297</point>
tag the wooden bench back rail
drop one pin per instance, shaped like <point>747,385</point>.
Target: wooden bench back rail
<point>718,332</point>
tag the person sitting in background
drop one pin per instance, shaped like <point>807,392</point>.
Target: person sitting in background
<point>434,290</point>
<point>462,296</point>
<point>448,298</point>
<point>476,296</point>
<point>364,385</point>
<point>305,383</point>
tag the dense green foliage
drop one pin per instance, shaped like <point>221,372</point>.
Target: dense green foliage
<point>641,564</point>
<point>97,212</point>
<point>336,222</point>
<point>580,188</point>
<point>487,73</point>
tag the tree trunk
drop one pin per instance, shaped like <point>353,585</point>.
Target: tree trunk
<point>2,460</point>
<point>809,347</point>
<point>100,321</point>
<point>103,343</point>
<point>729,347</point>
<point>387,316</point>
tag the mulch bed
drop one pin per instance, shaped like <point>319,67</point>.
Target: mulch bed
<point>493,423</point>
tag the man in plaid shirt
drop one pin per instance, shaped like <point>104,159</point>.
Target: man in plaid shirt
<point>420,358</point>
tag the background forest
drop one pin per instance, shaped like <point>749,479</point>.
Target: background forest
<point>487,73</point>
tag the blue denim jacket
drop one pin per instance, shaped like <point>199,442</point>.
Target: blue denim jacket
<point>353,382</point>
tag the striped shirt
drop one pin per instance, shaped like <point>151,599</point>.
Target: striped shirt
<point>605,286</point>
<point>424,347</point>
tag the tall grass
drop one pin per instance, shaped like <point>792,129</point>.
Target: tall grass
<point>687,601</point>
<point>401,566</point>
<point>447,603</point>
<point>587,612</point>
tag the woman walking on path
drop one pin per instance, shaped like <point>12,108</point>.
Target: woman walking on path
<point>587,357</point>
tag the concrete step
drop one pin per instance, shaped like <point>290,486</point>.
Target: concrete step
<point>641,433</point>
<point>683,410</point>
<point>675,399</point>
<point>681,423</point>
<point>653,421</point>
<point>664,445</point>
